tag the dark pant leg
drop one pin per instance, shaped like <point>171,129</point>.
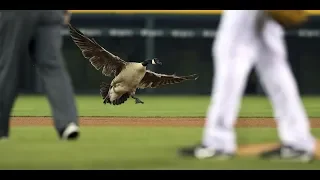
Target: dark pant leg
<point>51,69</point>
<point>15,31</point>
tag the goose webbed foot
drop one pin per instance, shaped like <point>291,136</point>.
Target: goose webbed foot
<point>138,101</point>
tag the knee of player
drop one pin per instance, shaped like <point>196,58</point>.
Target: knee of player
<point>49,64</point>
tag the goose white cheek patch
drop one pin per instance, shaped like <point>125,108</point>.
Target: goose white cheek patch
<point>153,61</point>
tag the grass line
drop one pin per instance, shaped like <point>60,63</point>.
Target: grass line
<point>155,106</point>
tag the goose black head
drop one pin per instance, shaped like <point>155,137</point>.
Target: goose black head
<point>154,61</point>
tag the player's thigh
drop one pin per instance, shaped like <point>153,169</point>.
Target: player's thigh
<point>273,51</point>
<point>273,59</point>
<point>48,44</point>
<point>273,44</point>
<point>16,29</point>
<point>237,38</point>
<point>235,61</point>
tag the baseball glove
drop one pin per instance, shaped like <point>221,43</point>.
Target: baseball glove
<point>289,18</point>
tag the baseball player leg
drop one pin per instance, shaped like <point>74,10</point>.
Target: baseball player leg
<point>57,83</point>
<point>235,53</point>
<point>234,59</point>
<point>279,83</point>
<point>15,31</point>
<point>228,88</point>
<point>8,78</point>
<point>8,90</point>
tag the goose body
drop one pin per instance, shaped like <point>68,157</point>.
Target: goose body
<point>127,80</point>
<point>128,76</point>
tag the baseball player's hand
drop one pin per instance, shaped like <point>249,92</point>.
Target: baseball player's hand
<point>288,18</point>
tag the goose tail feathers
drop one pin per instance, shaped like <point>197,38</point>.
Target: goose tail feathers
<point>104,92</point>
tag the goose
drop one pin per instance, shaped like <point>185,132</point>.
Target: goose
<point>128,76</point>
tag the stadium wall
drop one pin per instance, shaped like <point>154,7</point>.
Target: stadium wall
<point>182,41</point>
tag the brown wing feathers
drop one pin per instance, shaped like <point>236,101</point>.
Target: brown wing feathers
<point>154,80</point>
<point>96,54</point>
<point>90,49</point>
<point>111,64</point>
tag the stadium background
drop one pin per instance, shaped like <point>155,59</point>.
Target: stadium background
<point>147,136</point>
<point>181,39</point>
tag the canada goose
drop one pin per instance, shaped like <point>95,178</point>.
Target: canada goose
<point>128,76</point>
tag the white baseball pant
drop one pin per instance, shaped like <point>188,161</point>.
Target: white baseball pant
<point>247,39</point>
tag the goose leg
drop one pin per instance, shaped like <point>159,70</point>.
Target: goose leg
<point>137,100</point>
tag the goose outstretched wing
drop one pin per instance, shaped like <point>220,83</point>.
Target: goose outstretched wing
<point>154,80</point>
<point>96,54</point>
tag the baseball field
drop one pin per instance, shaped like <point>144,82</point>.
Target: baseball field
<point>143,136</point>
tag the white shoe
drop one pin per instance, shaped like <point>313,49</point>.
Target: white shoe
<point>71,132</point>
<point>4,138</point>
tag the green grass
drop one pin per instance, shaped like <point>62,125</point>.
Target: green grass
<point>193,106</point>
<point>126,148</point>
<point>134,147</point>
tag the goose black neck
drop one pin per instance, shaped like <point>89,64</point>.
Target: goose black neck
<point>146,62</point>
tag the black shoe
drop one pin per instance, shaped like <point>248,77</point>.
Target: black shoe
<point>202,152</point>
<point>71,132</point>
<point>288,153</point>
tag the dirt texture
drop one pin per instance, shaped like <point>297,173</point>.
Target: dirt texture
<point>149,121</point>
<point>244,150</point>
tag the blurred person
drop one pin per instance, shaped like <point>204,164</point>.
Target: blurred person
<point>247,39</point>
<point>17,29</point>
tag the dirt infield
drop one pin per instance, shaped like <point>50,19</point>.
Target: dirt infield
<point>143,121</point>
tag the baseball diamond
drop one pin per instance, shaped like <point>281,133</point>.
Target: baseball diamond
<point>116,137</point>
<point>244,150</point>
<point>151,121</point>
<point>231,112</point>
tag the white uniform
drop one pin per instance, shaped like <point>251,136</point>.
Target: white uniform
<point>247,39</point>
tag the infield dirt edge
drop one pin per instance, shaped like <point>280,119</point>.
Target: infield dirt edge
<point>243,150</point>
<point>148,121</point>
